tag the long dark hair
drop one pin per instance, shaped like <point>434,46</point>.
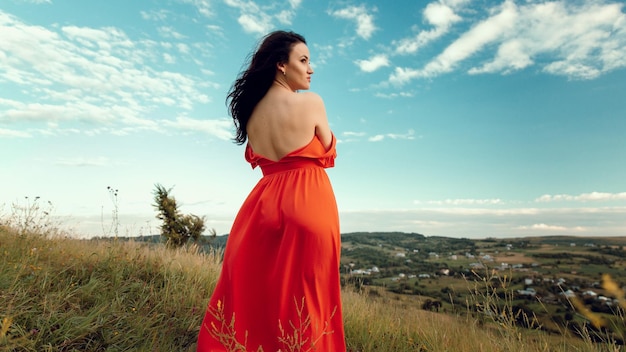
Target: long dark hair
<point>253,83</point>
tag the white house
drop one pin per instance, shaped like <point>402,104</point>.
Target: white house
<point>527,292</point>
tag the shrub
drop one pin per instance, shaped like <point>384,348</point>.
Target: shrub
<point>176,228</point>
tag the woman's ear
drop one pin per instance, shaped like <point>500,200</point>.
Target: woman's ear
<point>281,67</point>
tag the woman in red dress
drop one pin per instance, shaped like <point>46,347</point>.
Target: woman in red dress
<point>279,286</point>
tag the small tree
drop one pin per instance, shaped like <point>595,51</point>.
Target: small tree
<point>176,228</point>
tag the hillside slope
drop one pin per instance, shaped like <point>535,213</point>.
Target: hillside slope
<point>64,294</point>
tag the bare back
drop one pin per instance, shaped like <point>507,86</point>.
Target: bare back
<point>284,121</point>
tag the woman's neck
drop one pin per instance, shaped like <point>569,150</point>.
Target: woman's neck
<point>282,84</point>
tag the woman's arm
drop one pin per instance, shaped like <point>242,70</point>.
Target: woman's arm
<point>316,116</point>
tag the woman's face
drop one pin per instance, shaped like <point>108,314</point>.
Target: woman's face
<point>298,69</point>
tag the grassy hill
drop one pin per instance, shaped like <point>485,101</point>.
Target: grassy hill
<point>65,294</point>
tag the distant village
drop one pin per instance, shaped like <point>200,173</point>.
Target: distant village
<point>536,284</point>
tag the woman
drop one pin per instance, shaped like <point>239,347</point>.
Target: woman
<point>279,286</point>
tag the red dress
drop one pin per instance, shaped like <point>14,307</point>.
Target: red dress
<point>279,287</point>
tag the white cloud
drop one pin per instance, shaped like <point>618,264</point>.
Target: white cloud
<point>255,23</point>
<point>584,197</point>
<point>578,40</point>
<point>203,6</point>
<point>394,95</point>
<point>10,103</point>
<point>170,32</point>
<point>160,15</point>
<point>97,76</point>
<point>363,19</point>
<point>285,16</point>
<point>353,134</point>
<point>373,63</point>
<point>511,56</point>
<point>466,201</point>
<point>488,222</point>
<point>438,14</point>
<point>82,162</point>
<point>584,39</point>
<point>473,40</point>
<point>402,75</point>
<point>410,135</point>
<point>257,19</point>
<point>14,133</point>
<point>183,48</point>
<point>169,58</point>
<point>94,38</point>
<point>321,54</point>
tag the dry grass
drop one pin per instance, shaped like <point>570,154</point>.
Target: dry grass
<point>383,323</point>
<point>64,294</point>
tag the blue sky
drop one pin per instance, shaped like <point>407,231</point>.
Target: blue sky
<point>454,117</point>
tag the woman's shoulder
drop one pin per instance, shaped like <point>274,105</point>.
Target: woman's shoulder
<point>312,107</point>
<point>306,99</point>
<point>310,97</point>
<point>310,101</point>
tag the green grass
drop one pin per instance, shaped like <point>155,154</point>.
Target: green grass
<point>65,294</point>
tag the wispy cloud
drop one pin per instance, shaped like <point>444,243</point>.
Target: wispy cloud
<point>170,32</point>
<point>13,133</point>
<point>463,201</point>
<point>410,134</point>
<point>154,15</point>
<point>82,162</point>
<point>257,19</point>
<point>484,222</point>
<point>468,44</point>
<point>584,197</point>
<point>203,6</point>
<point>578,40</point>
<point>394,95</point>
<point>546,198</point>
<point>516,219</point>
<point>286,16</point>
<point>94,76</point>
<point>353,134</point>
<point>362,17</point>
<point>321,54</point>
<point>441,15</point>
